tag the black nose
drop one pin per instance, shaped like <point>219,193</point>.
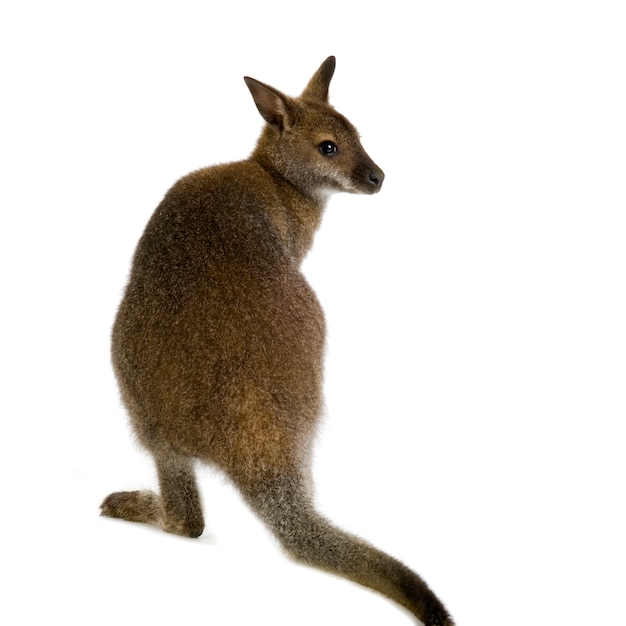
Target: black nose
<point>376,178</point>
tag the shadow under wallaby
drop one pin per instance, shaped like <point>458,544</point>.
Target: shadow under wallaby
<point>218,343</point>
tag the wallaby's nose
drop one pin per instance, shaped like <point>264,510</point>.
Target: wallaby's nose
<point>376,177</point>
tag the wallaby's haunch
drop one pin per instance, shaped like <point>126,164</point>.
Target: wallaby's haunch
<point>219,340</point>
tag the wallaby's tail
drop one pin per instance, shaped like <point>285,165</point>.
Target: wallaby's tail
<point>285,506</point>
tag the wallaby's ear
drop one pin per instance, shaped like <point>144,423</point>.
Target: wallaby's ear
<point>271,103</point>
<point>317,88</point>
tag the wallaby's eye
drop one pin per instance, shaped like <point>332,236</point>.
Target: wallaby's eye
<point>328,148</point>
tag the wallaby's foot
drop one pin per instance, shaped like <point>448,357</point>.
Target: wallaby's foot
<point>177,510</point>
<point>146,507</point>
<point>133,506</point>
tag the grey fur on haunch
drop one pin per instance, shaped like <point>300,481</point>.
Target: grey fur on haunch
<point>218,343</point>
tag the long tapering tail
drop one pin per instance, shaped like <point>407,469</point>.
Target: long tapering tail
<point>286,507</point>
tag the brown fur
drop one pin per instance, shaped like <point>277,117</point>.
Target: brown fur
<point>219,340</point>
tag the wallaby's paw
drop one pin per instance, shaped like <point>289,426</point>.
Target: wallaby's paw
<point>133,506</point>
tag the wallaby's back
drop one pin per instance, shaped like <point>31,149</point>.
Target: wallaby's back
<point>218,342</point>
<point>214,318</point>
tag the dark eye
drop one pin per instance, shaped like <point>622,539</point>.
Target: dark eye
<point>328,148</point>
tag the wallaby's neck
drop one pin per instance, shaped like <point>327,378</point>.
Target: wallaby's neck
<point>298,212</point>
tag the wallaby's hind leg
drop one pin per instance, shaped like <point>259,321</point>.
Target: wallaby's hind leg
<point>284,505</point>
<point>176,510</point>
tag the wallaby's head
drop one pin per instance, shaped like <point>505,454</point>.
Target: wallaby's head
<point>311,145</point>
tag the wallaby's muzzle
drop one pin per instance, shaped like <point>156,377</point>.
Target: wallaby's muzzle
<point>375,178</point>
<point>368,177</point>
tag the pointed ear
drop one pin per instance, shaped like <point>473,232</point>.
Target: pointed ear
<point>272,104</point>
<point>317,88</point>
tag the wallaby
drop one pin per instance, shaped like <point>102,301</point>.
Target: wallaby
<point>219,340</point>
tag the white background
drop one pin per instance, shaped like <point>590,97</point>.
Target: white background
<point>477,350</point>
